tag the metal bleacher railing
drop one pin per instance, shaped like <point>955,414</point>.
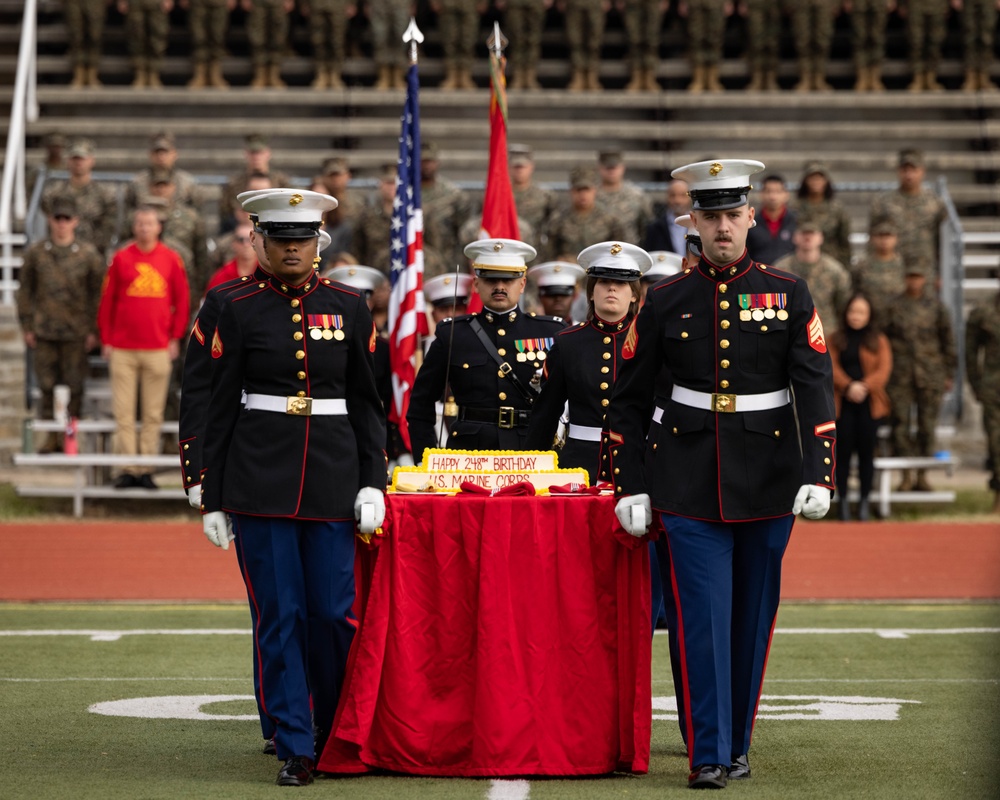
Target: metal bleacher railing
<point>24,109</point>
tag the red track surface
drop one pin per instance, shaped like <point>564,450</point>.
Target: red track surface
<point>172,561</point>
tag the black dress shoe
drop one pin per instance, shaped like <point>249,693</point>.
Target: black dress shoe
<point>297,771</point>
<point>146,482</point>
<point>269,748</point>
<point>126,481</point>
<point>708,776</point>
<point>740,768</point>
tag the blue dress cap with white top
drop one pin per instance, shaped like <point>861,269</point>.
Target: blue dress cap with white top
<point>500,258</point>
<point>290,213</point>
<point>555,278</point>
<point>616,261</point>
<point>665,264</point>
<point>451,288</point>
<point>720,184</point>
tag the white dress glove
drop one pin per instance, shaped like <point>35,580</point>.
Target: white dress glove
<point>635,513</point>
<point>218,528</point>
<point>194,496</point>
<point>369,495</point>
<point>812,502</point>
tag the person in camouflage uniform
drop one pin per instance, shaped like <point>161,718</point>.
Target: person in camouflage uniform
<point>208,21</point>
<point>917,212</point>
<point>816,203</point>
<point>458,22</point>
<point>85,27</point>
<point>370,242</point>
<point>584,34</point>
<point>764,42</point>
<point>147,23</point>
<point>95,203</point>
<point>924,360</point>
<point>868,21</point>
<point>523,23</point>
<point>829,281</point>
<point>926,23</point>
<point>389,19</point>
<point>55,160</point>
<point>257,154</point>
<point>267,30</point>
<point>445,206</point>
<point>162,156</point>
<point>534,204</point>
<point>982,365</point>
<point>60,287</point>
<point>812,27</point>
<point>583,223</point>
<point>328,34</point>
<point>706,29</point>
<point>979,21</point>
<point>622,199</point>
<point>182,224</point>
<point>643,19</point>
<point>880,273</point>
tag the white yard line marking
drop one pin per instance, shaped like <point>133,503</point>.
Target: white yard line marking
<point>114,636</point>
<point>509,790</point>
<point>883,633</point>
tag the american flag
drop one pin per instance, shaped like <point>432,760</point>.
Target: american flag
<point>407,318</point>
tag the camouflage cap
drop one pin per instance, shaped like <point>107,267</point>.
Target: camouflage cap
<point>582,177</point>
<point>911,157</point>
<point>335,165</point>
<point>387,172</point>
<point>816,168</point>
<point>917,266</point>
<point>255,142</point>
<point>610,158</point>
<point>54,139</point>
<point>809,226</point>
<point>429,151</point>
<point>519,154</point>
<point>62,205</point>
<point>886,225</point>
<point>164,140</point>
<point>81,148</point>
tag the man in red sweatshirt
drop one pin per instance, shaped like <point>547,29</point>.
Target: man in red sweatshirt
<point>142,316</point>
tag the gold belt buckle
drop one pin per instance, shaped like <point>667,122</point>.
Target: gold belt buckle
<point>724,403</point>
<point>505,417</point>
<point>299,406</point>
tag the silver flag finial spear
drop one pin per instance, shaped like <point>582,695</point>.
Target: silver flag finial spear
<point>412,36</point>
<point>497,41</point>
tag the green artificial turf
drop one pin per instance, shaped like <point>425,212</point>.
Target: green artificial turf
<point>944,745</point>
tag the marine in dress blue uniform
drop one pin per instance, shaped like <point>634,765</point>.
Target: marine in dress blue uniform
<point>493,413</point>
<point>730,470</point>
<point>294,465</point>
<point>195,393</point>
<point>447,296</point>
<point>557,285</point>
<point>582,366</point>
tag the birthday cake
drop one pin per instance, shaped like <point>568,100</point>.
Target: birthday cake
<point>447,470</point>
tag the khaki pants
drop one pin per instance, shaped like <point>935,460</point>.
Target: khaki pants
<point>146,372</point>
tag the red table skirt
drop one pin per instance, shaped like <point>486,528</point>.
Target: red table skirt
<point>500,636</point>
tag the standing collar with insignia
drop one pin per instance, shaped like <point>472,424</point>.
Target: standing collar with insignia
<point>725,273</point>
<point>288,290</point>
<point>494,317</point>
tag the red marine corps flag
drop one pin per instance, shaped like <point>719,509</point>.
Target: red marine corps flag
<point>407,318</point>
<point>499,211</point>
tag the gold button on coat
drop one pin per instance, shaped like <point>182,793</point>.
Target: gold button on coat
<point>724,305</point>
<point>501,332</point>
<point>723,288</point>
<point>502,395</point>
<point>684,334</point>
<point>724,384</point>
<point>605,402</point>
<point>296,318</point>
<point>724,324</point>
<point>295,303</point>
<point>724,363</point>
<point>502,352</point>
<point>301,375</point>
<point>604,386</point>
<point>605,370</point>
<point>300,354</point>
<point>607,340</point>
<point>297,336</point>
<point>724,344</point>
<point>606,356</point>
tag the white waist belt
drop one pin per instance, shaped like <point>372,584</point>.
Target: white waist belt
<point>584,433</point>
<point>297,406</point>
<point>657,415</point>
<point>730,403</point>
